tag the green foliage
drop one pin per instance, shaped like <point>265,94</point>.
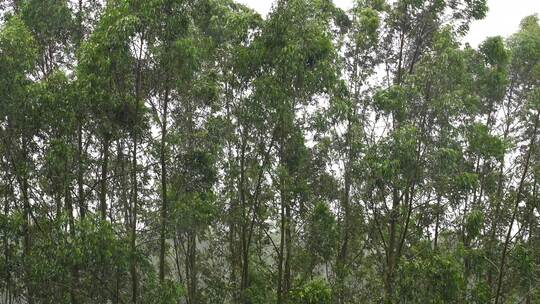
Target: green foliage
<point>393,101</point>
<point>483,143</point>
<point>474,223</point>
<point>167,292</point>
<point>494,51</point>
<point>313,292</point>
<point>19,52</point>
<point>50,20</point>
<point>322,232</point>
<point>171,151</point>
<point>368,25</point>
<point>431,277</point>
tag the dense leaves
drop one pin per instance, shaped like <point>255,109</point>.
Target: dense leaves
<point>193,151</point>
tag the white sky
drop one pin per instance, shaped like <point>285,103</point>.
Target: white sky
<point>503,17</point>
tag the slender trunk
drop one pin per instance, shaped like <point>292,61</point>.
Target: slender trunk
<point>124,201</point>
<point>134,199</point>
<point>80,180</point>
<point>233,259</point>
<point>27,245</point>
<point>191,271</point>
<point>193,259</point>
<point>104,175</point>
<point>134,203</point>
<point>7,255</point>
<point>288,249</point>
<point>437,220</point>
<point>80,172</point>
<point>244,284</point>
<point>117,284</point>
<point>59,207</point>
<point>164,203</point>
<point>191,255</point>
<point>519,197</point>
<point>493,230</point>
<point>284,246</point>
<point>530,243</point>
<point>163,165</point>
<point>341,264</point>
<point>74,282</point>
<point>244,280</point>
<point>23,183</point>
<point>234,246</point>
<point>391,252</point>
<point>281,256</point>
<point>177,259</point>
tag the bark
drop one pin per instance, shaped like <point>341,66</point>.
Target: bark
<point>74,270</point>
<point>244,278</point>
<point>134,194</point>
<point>24,186</point>
<point>80,171</point>
<point>281,257</point>
<point>134,203</point>
<point>285,233</point>
<point>391,252</point>
<point>437,221</point>
<point>192,268</point>
<point>345,231</point>
<point>164,203</point>
<point>7,253</point>
<point>104,176</point>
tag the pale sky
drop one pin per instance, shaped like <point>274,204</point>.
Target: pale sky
<point>503,17</point>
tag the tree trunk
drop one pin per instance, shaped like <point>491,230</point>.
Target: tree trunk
<point>284,246</point>
<point>164,203</point>
<point>391,252</point>
<point>281,256</point>
<point>104,177</point>
<point>191,271</point>
<point>74,282</point>
<point>437,220</point>
<point>80,172</point>
<point>23,183</point>
<point>134,210</point>
<point>7,253</point>
<point>345,230</point>
<point>134,197</point>
<point>244,278</point>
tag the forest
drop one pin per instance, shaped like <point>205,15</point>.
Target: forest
<point>196,152</point>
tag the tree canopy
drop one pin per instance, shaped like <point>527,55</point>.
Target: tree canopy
<point>193,151</point>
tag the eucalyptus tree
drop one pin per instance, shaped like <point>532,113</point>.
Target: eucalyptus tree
<point>19,54</point>
<point>113,64</point>
<point>523,93</point>
<point>173,54</point>
<point>360,44</point>
<point>408,34</point>
<point>298,58</point>
<point>245,151</point>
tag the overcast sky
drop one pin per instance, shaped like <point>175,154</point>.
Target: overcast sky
<point>502,18</point>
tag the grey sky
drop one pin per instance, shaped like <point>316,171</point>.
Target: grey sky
<point>502,19</point>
